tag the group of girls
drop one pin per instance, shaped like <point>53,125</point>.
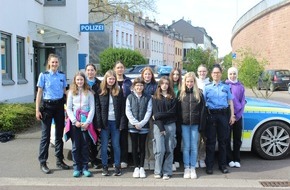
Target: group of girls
<point>156,115</point>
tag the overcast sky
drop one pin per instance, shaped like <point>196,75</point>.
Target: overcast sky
<point>217,16</point>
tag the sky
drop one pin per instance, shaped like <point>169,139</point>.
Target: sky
<point>217,17</point>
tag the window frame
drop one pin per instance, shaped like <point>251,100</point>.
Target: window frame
<point>7,72</point>
<point>20,46</point>
<point>54,2</point>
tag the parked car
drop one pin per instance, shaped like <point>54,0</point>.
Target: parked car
<point>289,88</point>
<point>274,79</point>
<point>266,129</point>
<point>164,70</point>
<point>136,70</point>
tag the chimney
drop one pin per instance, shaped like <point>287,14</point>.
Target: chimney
<point>173,21</point>
<point>189,21</point>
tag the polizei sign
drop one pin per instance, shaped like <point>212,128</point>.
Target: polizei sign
<point>92,28</point>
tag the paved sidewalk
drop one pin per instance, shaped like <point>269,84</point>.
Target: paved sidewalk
<point>19,167</point>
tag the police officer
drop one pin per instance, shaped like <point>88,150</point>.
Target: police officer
<point>220,109</point>
<point>51,88</point>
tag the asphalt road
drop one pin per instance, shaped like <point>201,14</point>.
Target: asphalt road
<point>19,169</point>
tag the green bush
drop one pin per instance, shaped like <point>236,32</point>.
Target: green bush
<point>16,117</point>
<point>128,57</point>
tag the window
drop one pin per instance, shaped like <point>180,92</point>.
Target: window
<point>21,61</point>
<point>122,38</point>
<point>143,42</point>
<point>127,43</point>
<point>6,60</point>
<point>117,36</point>
<point>54,2</point>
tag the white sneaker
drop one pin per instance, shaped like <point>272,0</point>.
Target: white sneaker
<point>157,176</point>
<point>193,173</point>
<point>197,164</point>
<point>237,164</point>
<point>124,165</point>
<point>146,165</point>
<point>202,164</point>
<point>136,173</point>
<point>166,177</point>
<point>186,174</point>
<point>142,173</point>
<point>232,164</point>
<point>177,165</point>
<point>173,167</point>
<point>151,165</point>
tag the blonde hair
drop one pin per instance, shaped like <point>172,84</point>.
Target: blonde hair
<point>170,90</point>
<point>104,85</point>
<point>50,56</point>
<point>74,87</point>
<point>196,90</point>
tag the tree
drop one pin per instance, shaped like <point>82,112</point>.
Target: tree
<point>196,57</point>
<point>250,68</point>
<point>110,8</point>
<point>129,57</point>
<point>226,64</point>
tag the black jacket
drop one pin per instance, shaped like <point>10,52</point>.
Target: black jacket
<point>192,112</point>
<point>95,89</point>
<point>164,111</point>
<point>102,110</point>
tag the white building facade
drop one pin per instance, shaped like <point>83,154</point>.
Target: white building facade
<point>38,28</point>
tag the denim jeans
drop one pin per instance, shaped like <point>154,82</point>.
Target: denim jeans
<point>80,149</point>
<point>163,147</point>
<point>115,139</point>
<point>190,138</point>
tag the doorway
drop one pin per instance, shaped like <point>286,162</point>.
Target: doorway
<point>41,53</point>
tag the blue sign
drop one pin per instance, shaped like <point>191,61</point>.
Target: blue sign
<point>234,55</point>
<point>92,27</point>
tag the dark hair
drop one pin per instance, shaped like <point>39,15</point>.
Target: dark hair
<point>138,80</point>
<point>170,90</point>
<point>217,66</point>
<point>90,64</point>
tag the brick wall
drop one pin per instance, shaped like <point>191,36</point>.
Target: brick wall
<point>268,37</point>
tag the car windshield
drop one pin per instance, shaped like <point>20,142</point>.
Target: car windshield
<point>283,73</point>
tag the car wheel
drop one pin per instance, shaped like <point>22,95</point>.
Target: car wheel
<point>272,140</point>
<point>272,87</point>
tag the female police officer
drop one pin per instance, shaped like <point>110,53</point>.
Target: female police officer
<point>51,88</point>
<point>220,107</point>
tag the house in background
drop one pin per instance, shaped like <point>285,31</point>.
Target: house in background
<point>40,27</point>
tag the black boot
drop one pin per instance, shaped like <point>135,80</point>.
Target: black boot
<point>44,168</point>
<point>61,165</point>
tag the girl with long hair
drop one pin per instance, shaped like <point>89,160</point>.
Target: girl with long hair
<point>125,85</point>
<point>192,117</point>
<point>176,80</point>
<point>81,111</point>
<point>109,118</point>
<point>164,105</point>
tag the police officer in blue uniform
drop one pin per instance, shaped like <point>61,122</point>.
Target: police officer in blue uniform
<point>50,105</point>
<point>220,110</point>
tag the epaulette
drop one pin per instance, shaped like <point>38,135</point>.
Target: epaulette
<point>224,82</point>
<point>46,72</point>
<point>61,72</point>
<point>208,83</point>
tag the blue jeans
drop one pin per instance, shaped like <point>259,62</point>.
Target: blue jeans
<point>190,138</point>
<point>163,147</point>
<point>115,138</point>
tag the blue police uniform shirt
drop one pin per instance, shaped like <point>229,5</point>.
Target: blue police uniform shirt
<point>52,84</point>
<point>217,95</point>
